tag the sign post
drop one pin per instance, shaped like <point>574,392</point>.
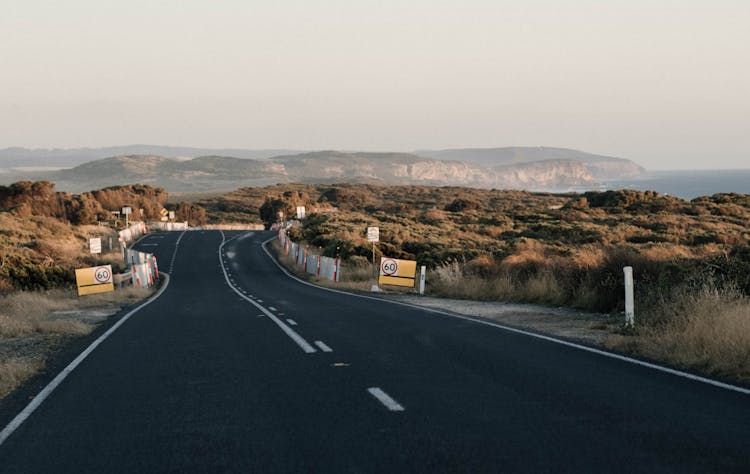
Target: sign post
<point>127,211</point>
<point>373,235</point>
<point>301,212</point>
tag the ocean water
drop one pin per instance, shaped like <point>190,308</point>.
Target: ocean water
<point>687,184</point>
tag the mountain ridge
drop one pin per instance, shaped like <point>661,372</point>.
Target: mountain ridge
<point>213,173</point>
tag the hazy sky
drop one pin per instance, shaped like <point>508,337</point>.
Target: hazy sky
<point>666,83</point>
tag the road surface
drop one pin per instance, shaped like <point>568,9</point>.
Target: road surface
<point>238,368</point>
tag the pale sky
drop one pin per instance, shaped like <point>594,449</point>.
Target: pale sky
<point>665,83</point>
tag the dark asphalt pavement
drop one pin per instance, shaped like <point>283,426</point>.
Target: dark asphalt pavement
<point>209,378</point>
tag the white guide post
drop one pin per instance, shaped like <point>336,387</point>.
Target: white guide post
<point>629,304</point>
<point>421,279</point>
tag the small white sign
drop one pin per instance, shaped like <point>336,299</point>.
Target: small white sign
<point>127,210</point>
<point>373,234</point>
<point>300,212</point>
<point>171,214</point>
<point>95,245</point>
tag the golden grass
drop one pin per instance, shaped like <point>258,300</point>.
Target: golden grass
<point>28,312</point>
<point>706,329</point>
<point>24,315</point>
<point>15,371</point>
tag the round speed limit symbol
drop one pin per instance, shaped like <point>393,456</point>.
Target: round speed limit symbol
<point>389,266</point>
<point>102,274</point>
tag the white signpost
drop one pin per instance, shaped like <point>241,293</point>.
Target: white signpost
<point>95,245</point>
<point>127,211</point>
<point>300,212</point>
<point>373,235</point>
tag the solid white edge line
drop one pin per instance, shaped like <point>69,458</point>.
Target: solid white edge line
<point>287,330</point>
<point>611,355</point>
<point>385,399</point>
<point>47,391</point>
<point>323,346</point>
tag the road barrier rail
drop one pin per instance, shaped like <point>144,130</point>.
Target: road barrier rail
<point>168,226</point>
<point>323,267</point>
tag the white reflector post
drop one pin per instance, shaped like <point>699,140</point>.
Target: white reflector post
<point>629,304</point>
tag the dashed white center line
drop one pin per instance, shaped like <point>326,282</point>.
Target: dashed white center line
<point>272,308</point>
<point>385,399</point>
<point>323,346</point>
<point>291,322</point>
<point>299,340</point>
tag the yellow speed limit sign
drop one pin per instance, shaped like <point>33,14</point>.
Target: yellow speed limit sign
<point>397,272</point>
<point>94,280</point>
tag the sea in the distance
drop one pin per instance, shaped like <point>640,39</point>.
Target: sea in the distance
<point>686,184</point>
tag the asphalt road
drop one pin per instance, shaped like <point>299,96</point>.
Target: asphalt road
<point>238,368</point>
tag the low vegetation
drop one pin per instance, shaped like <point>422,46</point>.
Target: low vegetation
<point>691,259</point>
<point>44,236</point>
<point>31,327</point>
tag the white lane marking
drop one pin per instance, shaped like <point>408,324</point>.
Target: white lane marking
<point>291,322</point>
<point>385,399</point>
<point>323,346</point>
<point>260,301</point>
<point>47,391</point>
<point>176,247</point>
<point>611,355</point>
<point>287,330</point>
<point>272,308</point>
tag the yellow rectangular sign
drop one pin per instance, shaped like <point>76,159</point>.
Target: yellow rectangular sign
<point>397,272</point>
<point>94,280</point>
<point>93,289</point>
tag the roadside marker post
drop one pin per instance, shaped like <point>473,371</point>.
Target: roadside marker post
<point>629,303</point>
<point>422,271</point>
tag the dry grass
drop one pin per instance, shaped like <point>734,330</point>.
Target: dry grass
<point>25,316</point>
<point>452,281</point>
<point>706,330</point>
<point>28,312</point>
<point>14,372</point>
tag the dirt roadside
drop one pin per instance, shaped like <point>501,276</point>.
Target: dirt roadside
<point>587,328</point>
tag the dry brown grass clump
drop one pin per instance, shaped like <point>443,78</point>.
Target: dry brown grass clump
<point>27,312</point>
<point>30,330</point>
<point>13,372</point>
<point>706,329</point>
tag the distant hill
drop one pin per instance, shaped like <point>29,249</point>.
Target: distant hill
<point>223,173</point>
<point>600,166</point>
<point>66,158</point>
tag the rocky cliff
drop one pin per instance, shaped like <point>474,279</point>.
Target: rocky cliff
<point>220,173</point>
